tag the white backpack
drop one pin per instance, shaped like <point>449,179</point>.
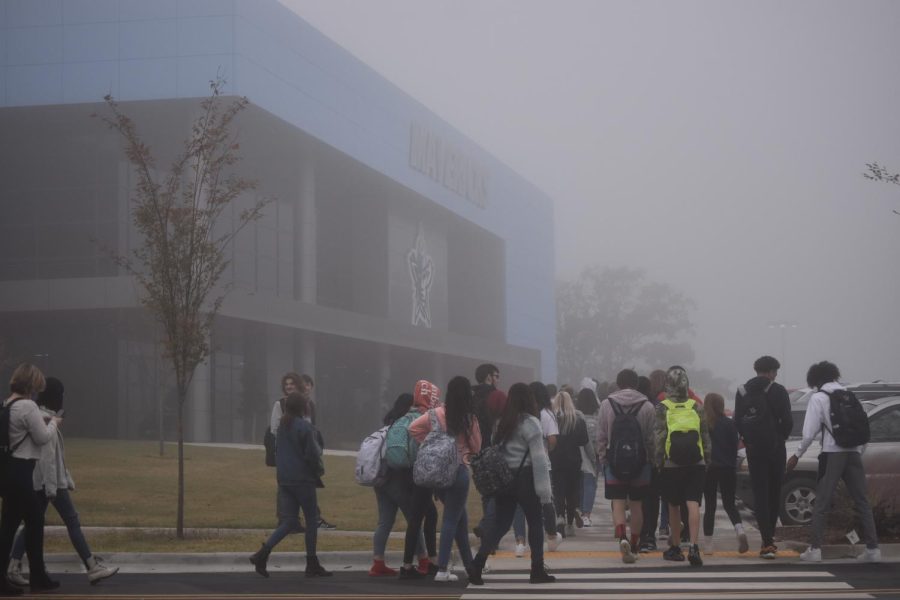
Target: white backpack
<point>371,468</point>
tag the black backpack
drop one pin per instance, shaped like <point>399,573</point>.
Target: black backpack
<point>849,422</point>
<point>6,450</point>
<point>757,423</point>
<point>626,452</point>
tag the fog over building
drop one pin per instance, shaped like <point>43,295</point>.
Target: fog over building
<point>396,248</point>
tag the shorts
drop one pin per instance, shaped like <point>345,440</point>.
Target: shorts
<point>680,484</point>
<point>633,489</point>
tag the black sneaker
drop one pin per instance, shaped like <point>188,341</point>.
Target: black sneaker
<point>694,556</point>
<point>647,546</point>
<point>410,573</point>
<point>323,524</point>
<point>674,553</point>
<point>541,576</point>
<point>477,531</point>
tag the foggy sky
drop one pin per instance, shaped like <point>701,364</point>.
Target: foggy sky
<point>717,145</point>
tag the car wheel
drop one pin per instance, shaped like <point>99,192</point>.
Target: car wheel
<point>798,496</point>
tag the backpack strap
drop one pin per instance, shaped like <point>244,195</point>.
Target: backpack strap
<point>636,408</point>
<point>435,422</point>
<point>617,408</point>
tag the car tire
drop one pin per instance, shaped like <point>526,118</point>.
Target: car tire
<point>798,497</point>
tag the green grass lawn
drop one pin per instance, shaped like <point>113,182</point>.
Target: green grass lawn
<point>127,484</point>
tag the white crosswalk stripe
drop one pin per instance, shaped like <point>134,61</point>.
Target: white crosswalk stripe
<point>668,585</point>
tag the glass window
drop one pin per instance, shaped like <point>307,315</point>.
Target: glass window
<point>885,425</point>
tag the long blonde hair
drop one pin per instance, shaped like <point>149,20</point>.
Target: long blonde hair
<point>713,408</point>
<point>564,409</point>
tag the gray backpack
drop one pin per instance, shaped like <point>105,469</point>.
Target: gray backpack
<point>437,460</point>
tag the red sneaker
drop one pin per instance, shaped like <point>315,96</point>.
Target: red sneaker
<point>379,569</point>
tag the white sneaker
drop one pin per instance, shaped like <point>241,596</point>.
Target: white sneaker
<point>554,542</point>
<point>14,574</point>
<point>870,555</point>
<point>520,550</point>
<point>570,531</point>
<point>811,555</point>
<point>486,568</point>
<point>97,571</point>
<point>587,520</point>
<point>708,546</point>
<point>445,576</point>
<point>627,555</point>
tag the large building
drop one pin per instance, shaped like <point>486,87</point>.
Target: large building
<point>396,248</point>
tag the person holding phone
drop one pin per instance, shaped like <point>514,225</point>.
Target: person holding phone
<point>28,433</point>
<point>53,482</point>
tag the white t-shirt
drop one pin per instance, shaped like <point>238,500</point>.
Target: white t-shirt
<point>549,426</point>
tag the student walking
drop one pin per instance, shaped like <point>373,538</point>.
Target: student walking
<point>682,453</point>
<point>487,376</point>
<point>298,468</point>
<point>762,414</point>
<point>589,407</point>
<point>625,443</point>
<point>401,453</point>
<point>28,433</point>
<point>835,414</point>
<point>721,474</point>
<point>458,419</point>
<point>655,509</point>
<point>550,431</point>
<point>53,482</point>
<point>520,437</point>
<point>565,462</point>
<point>395,493</point>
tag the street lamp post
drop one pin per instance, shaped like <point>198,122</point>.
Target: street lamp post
<point>783,326</point>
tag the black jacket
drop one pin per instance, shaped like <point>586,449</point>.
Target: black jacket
<point>779,405</point>
<point>480,393</point>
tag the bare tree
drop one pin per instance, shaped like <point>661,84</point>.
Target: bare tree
<point>181,258</point>
<point>877,172</point>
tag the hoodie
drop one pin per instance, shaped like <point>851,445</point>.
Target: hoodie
<point>426,395</point>
<point>626,398</point>
<point>817,423</point>
<point>779,405</point>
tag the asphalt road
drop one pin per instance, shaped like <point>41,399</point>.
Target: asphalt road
<point>749,582</point>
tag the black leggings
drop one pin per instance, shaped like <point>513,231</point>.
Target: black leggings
<point>22,503</point>
<point>524,495</point>
<point>566,492</point>
<point>724,479</point>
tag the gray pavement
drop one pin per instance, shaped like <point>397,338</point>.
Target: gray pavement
<point>591,547</point>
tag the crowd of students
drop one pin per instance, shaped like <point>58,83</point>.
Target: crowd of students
<point>660,451</point>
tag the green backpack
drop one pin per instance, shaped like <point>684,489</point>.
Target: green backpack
<point>400,447</point>
<point>683,444</point>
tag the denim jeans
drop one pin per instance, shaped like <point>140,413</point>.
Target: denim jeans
<point>390,497</point>
<point>518,523</point>
<point>291,499</point>
<point>66,511</point>
<point>589,492</point>
<point>455,523</point>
